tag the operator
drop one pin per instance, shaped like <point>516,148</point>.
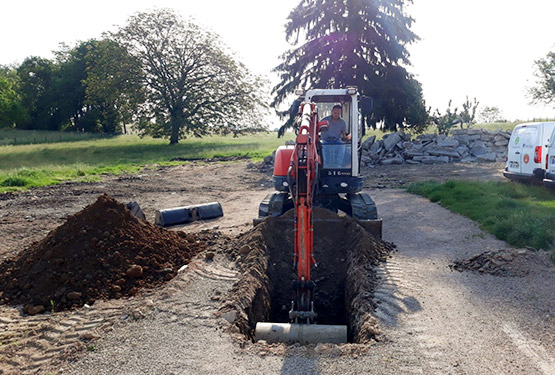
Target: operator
<point>337,128</point>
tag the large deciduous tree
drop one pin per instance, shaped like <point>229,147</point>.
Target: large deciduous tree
<point>337,43</point>
<point>544,90</point>
<point>193,87</point>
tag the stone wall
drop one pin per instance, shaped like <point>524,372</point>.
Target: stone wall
<point>464,145</point>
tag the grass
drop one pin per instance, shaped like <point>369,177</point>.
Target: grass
<point>26,137</point>
<point>36,165</point>
<point>521,215</point>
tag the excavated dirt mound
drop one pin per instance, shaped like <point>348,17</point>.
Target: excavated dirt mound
<point>505,262</point>
<point>101,252</point>
<point>346,255</point>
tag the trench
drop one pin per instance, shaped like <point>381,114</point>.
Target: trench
<point>346,256</point>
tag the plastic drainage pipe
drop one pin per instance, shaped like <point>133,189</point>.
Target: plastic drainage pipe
<point>209,210</point>
<point>301,333</point>
<point>187,214</point>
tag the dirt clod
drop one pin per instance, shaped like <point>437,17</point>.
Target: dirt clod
<point>68,269</point>
<point>74,295</point>
<point>504,262</point>
<point>135,271</point>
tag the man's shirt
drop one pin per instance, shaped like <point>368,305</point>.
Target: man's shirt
<point>335,129</point>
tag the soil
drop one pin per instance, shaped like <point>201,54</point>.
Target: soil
<point>427,318</point>
<point>502,262</point>
<point>103,252</point>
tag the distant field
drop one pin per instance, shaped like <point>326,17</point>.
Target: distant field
<point>27,137</point>
<point>520,214</point>
<point>46,164</point>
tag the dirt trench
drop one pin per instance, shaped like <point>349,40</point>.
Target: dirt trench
<point>346,256</point>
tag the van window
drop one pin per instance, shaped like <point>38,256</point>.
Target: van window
<point>524,137</point>
<point>527,130</point>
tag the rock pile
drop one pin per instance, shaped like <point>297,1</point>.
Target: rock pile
<point>104,251</point>
<point>465,145</point>
<point>265,165</point>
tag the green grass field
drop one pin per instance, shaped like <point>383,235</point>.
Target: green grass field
<point>521,215</point>
<point>46,164</point>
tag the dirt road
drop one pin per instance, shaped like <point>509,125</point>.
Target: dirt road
<point>433,320</point>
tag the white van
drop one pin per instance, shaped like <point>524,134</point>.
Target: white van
<point>549,180</point>
<point>527,154</point>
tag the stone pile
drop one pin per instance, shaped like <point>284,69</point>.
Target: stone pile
<point>464,145</point>
<point>265,165</point>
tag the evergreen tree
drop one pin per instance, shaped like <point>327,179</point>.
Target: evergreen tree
<point>337,43</point>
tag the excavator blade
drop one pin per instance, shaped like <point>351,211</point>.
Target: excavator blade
<point>289,333</point>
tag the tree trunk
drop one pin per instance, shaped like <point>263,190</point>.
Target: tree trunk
<point>176,123</point>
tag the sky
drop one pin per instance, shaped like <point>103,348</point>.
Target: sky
<point>482,49</point>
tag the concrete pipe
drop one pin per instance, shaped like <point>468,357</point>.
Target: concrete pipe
<point>301,333</point>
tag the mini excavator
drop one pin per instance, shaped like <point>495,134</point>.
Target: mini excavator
<point>317,173</point>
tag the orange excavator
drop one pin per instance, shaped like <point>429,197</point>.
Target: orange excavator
<point>317,173</point>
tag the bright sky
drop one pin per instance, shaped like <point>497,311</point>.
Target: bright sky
<point>480,48</point>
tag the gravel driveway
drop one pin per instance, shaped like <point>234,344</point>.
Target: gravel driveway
<point>433,320</point>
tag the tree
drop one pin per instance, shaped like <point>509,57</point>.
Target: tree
<point>112,86</point>
<point>544,91</point>
<point>11,109</point>
<point>468,113</point>
<point>491,114</point>
<point>52,91</point>
<point>69,91</point>
<point>337,43</point>
<point>446,121</point>
<point>192,86</point>
<point>35,77</point>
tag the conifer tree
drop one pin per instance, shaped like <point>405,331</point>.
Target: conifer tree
<point>336,43</point>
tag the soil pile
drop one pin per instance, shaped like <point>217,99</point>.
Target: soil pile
<point>505,262</point>
<point>102,251</point>
<point>346,255</point>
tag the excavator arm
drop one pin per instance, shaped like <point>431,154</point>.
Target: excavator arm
<point>305,165</point>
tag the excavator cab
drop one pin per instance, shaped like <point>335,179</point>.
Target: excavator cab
<point>339,183</point>
<point>336,152</point>
<point>340,173</point>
